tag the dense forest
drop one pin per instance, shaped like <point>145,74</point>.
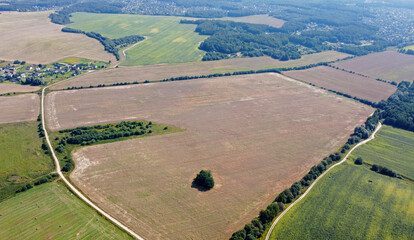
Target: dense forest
<point>110,45</point>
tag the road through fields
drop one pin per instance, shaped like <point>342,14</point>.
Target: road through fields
<point>321,176</point>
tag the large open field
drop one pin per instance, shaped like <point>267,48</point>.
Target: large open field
<point>352,84</point>
<point>246,129</point>
<point>21,156</point>
<point>257,19</point>
<point>390,66</point>
<point>19,108</point>
<point>392,148</point>
<point>159,72</point>
<point>30,36</point>
<point>168,40</point>
<point>50,211</point>
<point>12,87</point>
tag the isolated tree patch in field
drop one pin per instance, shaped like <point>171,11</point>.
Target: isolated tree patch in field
<point>204,180</point>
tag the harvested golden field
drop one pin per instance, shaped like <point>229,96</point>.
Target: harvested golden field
<point>257,133</point>
<point>162,71</point>
<point>30,36</point>
<point>352,84</point>
<point>390,66</point>
<point>257,19</point>
<point>19,108</point>
<point>12,87</point>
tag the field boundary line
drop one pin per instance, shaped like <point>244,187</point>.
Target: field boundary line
<point>70,186</point>
<point>323,174</point>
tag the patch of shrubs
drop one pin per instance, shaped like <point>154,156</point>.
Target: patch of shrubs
<point>41,180</point>
<point>204,180</point>
<point>385,171</point>
<point>359,161</point>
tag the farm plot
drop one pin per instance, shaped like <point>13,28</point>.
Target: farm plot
<point>246,129</point>
<point>32,37</point>
<point>12,87</point>
<point>19,108</point>
<point>162,71</point>
<point>352,202</point>
<point>390,66</point>
<point>257,19</point>
<point>392,148</point>
<point>50,211</point>
<point>167,41</point>
<point>352,84</point>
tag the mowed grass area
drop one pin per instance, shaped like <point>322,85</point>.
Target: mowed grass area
<point>168,40</point>
<point>392,148</point>
<point>352,202</point>
<point>389,66</point>
<point>161,71</point>
<point>21,156</point>
<point>51,211</point>
<point>30,36</point>
<point>245,129</point>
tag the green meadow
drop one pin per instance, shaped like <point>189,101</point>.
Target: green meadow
<point>167,41</point>
<point>51,211</point>
<point>392,148</point>
<point>352,202</point>
<point>21,156</point>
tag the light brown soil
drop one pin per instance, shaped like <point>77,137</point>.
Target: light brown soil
<point>352,84</point>
<point>390,66</point>
<point>19,108</point>
<point>31,37</point>
<point>11,87</point>
<point>257,133</point>
<point>162,71</point>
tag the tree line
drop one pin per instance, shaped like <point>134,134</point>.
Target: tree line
<point>110,45</point>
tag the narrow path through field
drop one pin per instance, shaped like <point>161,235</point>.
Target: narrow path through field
<point>321,176</point>
<point>126,49</point>
<point>71,187</point>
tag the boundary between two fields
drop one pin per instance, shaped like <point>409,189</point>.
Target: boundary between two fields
<point>323,174</point>
<point>70,186</point>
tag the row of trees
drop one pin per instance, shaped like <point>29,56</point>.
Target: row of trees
<point>110,45</point>
<point>258,225</point>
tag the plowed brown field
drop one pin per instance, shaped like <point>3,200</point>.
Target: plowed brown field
<point>11,87</point>
<point>30,36</point>
<point>352,84</point>
<point>161,71</point>
<point>19,108</point>
<point>257,133</point>
<point>390,66</point>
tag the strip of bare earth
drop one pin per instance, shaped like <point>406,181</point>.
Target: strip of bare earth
<point>71,187</point>
<point>321,176</point>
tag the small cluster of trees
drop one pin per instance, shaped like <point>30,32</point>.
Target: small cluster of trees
<point>33,81</point>
<point>204,180</point>
<point>385,171</point>
<point>41,180</point>
<point>110,45</point>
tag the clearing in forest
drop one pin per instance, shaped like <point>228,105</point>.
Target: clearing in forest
<point>18,108</point>
<point>352,202</point>
<point>162,71</point>
<point>344,82</point>
<point>257,19</point>
<point>389,66</point>
<point>162,32</point>
<point>245,129</point>
<point>51,211</point>
<point>30,36</point>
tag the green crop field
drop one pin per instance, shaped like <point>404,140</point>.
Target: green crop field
<point>51,211</point>
<point>392,148</point>
<point>21,156</point>
<point>168,40</point>
<point>352,202</point>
